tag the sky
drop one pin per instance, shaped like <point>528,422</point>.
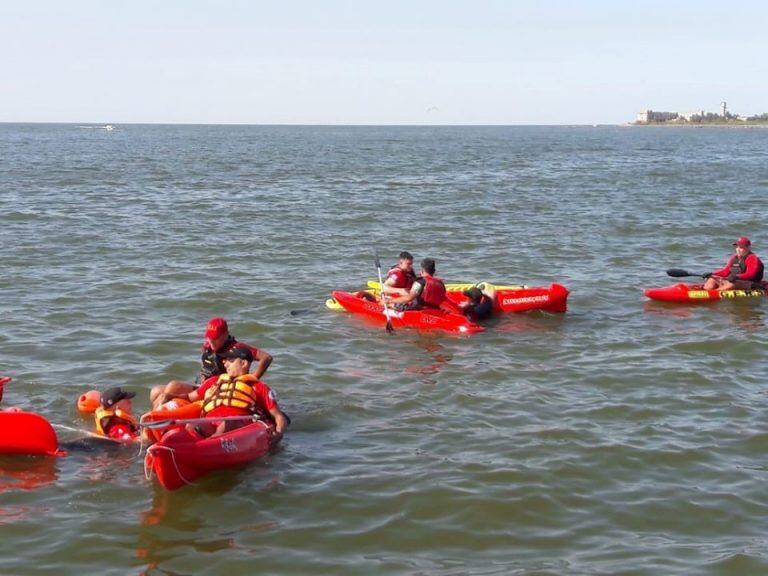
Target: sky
<point>364,62</point>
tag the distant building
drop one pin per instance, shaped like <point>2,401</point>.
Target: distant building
<point>688,116</point>
<point>698,117</point>
<point>647,116</point>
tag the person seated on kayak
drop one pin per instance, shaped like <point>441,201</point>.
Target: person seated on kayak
<point>114,418</point>
<point>427,291</point>
<point>217,340</point>
<point>400,277</point>
<point>479,305</point>
<point>237,393</point>
<point>743,271</point>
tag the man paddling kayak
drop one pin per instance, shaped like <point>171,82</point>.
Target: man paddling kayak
<point>427,291</point>
<point>400,277</point>
<point>217,340</point>
<point>237,393</point>
<point>743,271</point>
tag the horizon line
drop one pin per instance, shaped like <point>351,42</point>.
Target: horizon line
<point>320,124</point>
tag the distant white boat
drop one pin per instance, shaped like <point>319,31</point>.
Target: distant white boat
<point>108,127</point>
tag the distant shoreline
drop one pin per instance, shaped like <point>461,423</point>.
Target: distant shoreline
<point>706,125</point>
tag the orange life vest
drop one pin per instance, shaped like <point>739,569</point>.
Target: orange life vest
<point>237,393</point>
<point>105,417</point>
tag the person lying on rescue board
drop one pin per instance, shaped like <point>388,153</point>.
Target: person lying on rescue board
<point>743,271</point>
<point>236,393</point>
<point>479,304</point>
<point>217,340</point>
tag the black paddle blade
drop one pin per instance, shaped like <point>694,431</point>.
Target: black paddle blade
<point>376,258</point>
<point>299,312</point>
<point>389,327</point>
<point>679,273</point>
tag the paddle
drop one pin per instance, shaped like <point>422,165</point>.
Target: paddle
<point>300,312</point>
<point>3,381</point>
<point>679,273</point>
<point>174,421</point>
<point>383,299</point>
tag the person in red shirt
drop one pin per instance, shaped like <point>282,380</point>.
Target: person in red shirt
<point>237,393</point>
<point>400,277</point>
<point>217,340</point>
<point>743,271</point>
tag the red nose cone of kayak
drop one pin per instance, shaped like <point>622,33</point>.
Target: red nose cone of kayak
<point>27,433</point>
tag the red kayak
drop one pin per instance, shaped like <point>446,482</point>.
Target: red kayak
<point>552,298</point>
<point>27,433</point>
<point>691,293</point>
<point>181,457</point>
<point>424,319</point>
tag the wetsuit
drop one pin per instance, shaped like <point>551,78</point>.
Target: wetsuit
<point>479,310</point>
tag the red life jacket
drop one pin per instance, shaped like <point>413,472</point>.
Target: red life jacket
<point>433,293</point>
<point>402,278</point>
<point>739,266</point>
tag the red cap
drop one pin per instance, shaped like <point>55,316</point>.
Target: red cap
<point>743,242</point>
<point>217,327</point>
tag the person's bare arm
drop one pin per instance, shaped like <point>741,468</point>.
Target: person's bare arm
<point>262,360</point>
<point>280,423</point>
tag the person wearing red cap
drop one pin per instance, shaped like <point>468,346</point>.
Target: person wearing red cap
<point>743,271</point>
<point>217,340</point>
<point>237,393</point>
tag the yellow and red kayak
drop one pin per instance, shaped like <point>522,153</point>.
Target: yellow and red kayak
<point>695,293</point>
<point>508,299</point>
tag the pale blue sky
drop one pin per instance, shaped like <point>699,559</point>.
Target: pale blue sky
<point>394,62</point>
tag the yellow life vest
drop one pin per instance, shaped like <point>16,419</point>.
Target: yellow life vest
<point>103,415</point>
<point>237,393</point>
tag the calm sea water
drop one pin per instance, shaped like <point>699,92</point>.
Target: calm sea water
<point>620,438</point>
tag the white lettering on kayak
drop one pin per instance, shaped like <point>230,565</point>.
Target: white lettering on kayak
<point>526,300</point>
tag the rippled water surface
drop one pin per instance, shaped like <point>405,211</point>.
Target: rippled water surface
<point>623,437</point>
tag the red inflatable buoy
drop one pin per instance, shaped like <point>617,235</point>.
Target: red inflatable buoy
<point>27,433</point>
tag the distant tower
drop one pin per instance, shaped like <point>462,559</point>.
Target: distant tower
<point>722,109</point>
